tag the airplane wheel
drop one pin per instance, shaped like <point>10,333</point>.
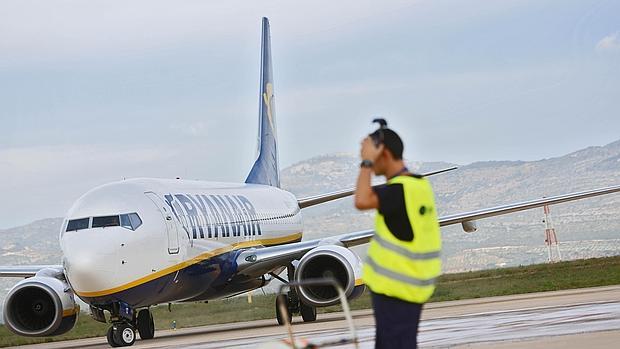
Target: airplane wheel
<point>124,335</point>
<point>110,337</point>
<point>308,313</point>
<point>146,326</point>
<point>279,316</point>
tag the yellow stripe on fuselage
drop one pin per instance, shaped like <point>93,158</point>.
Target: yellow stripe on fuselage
<point>219,251</point>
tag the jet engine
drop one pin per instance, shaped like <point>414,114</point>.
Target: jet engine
<point>329,261</point>
<point>43,305</point>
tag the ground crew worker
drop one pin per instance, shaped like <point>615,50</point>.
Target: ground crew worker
<point>403,256</point>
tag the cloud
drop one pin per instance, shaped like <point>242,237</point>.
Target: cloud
<point>43,181</point>
<point>609,43</point>
<point>111,28</point>
<point>195,128</point>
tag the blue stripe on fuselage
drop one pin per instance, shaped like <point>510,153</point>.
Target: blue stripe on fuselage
<point>203,278</point>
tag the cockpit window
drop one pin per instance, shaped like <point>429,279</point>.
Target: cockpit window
<point>131,221</point>
<point>106,221</point>
<point>125,222</point>
<point>135,220</point>
<point>77,224</point>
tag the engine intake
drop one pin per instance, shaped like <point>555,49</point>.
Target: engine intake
<point>334,262</point>
<point>43,305</point>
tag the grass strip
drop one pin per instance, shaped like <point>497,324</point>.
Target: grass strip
<point>486,283</point>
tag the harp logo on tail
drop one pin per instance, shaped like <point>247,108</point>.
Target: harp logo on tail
<point>268,99</point>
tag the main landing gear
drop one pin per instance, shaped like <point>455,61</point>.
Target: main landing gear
<point>293,304</point>
<point>146,326</point>
<point>122,333</point>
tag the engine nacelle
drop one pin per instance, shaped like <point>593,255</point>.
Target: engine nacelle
<point>329,261</point>
<point>43,305</point>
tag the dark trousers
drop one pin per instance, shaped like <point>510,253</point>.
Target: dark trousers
<point>396,322</point>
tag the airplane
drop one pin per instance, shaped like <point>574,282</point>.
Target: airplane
<point>135,243</point>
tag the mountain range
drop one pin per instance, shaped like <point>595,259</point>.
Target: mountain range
<point>588,228</point>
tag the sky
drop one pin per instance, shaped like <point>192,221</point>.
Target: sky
<point>96,91</point>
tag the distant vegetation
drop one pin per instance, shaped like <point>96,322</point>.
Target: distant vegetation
<point>487,283</point>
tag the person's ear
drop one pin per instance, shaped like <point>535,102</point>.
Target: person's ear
<point>386,154</point>
<point>380,157</point>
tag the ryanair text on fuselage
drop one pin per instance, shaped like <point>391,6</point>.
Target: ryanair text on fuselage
<point>215,216</point>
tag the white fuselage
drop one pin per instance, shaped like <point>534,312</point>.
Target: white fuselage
<point>182,243</point>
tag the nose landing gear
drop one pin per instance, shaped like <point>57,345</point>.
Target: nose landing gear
<point>122,333</point>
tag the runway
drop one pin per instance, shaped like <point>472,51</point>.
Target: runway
<point>562,319</point>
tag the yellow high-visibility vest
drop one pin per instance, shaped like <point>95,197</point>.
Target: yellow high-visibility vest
<point>407,270</point>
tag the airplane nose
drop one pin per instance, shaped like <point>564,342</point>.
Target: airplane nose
<point>89,268</point>
<point>89,271</point>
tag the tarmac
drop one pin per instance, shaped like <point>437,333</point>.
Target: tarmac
<point>561,319</point>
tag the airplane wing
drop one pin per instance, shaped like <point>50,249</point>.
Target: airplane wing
<point>362,237</point>
<point>319,199</point>
<point>257,260</point>
<point>24,271</point>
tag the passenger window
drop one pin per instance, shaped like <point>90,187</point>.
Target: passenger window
<point>106,221</point>
<point>77,224</point>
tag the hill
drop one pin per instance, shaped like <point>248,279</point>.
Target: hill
<point>590,228</point>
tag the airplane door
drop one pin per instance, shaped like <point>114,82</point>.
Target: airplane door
<point>171,227</point>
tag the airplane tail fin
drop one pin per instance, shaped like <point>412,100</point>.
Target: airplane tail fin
<point>266,169</point>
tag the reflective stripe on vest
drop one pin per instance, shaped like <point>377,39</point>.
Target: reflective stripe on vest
<point>407,270</point>
<point>400,277</point>
<point>405,252</point>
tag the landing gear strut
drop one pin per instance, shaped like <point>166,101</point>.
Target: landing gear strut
<point>293,304</point>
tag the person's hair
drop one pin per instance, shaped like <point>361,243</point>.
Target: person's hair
<point>391,141</point>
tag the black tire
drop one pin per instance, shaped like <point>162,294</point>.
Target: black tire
<point>293,302</point>
<point>110,337</point>
<point>308,312</point>
<point>279,316</point>
<point>124,335</point>
<point>146,326</point>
